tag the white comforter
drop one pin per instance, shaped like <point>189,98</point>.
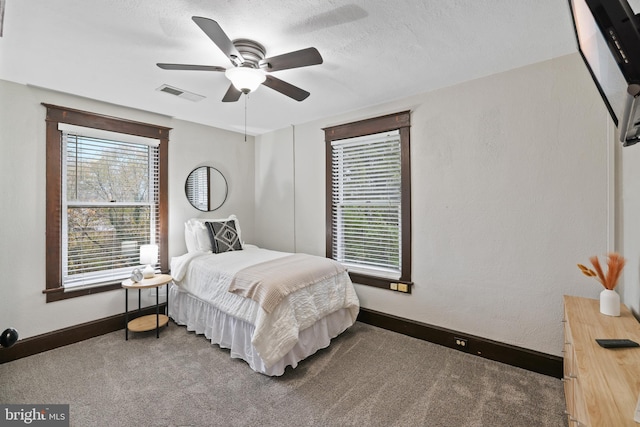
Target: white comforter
<point>207,276</point>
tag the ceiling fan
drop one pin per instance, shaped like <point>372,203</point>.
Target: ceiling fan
<point>250,67</point>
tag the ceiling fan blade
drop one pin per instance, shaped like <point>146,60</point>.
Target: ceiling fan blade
<point>232,94</point>
<point>299,58</point>
<point>286,88</point>
<point>212,29</point>
<point>190,67</point>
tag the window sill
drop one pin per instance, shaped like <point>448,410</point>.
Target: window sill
<point>378,282</point>
<point>58,294</point>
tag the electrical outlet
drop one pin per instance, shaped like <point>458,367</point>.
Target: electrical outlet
<point>461,343</point>
<point>399,287</point>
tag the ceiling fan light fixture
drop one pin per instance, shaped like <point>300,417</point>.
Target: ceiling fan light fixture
<point>245,79</point>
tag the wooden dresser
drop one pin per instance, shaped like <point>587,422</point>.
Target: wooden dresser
<point>601,386</point>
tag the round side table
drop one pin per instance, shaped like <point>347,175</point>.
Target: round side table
<point>151,321</point>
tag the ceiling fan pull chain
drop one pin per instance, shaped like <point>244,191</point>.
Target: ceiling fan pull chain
<point>245,117</point>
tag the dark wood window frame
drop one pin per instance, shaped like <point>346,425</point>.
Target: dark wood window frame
<point>399,121</point>
<point>56,114</point>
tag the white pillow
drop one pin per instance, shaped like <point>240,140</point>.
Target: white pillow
<point>203,240</point>
<point>190,238</point>
<point>201,234</point>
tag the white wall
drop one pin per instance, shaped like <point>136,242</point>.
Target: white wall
<point>628,223</point>
<point>22,191</point>
<point>275,208</point>
<point>192,145</point>
<point>510,189</point>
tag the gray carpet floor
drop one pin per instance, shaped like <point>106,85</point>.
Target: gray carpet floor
<point>367,377</point>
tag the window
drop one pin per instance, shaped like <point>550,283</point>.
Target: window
<point>366,203</point>
<point>368,199</point>
<point>106,196</point>
<point>109,207</point>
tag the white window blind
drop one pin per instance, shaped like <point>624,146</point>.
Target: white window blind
<point>110,207</point>
<point>366,204</point>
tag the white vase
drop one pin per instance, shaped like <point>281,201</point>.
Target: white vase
<point>610,302</point>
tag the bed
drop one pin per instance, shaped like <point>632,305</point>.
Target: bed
<point>272,309</point>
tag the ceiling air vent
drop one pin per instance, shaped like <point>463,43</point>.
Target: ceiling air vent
<point>181,93</point>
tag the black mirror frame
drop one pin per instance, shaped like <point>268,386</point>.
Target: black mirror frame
<point>209,207</point>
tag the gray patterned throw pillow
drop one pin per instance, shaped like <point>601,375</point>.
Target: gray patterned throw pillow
<point>224,236</point>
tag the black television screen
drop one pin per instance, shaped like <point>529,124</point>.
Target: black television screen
<point>608,35</point>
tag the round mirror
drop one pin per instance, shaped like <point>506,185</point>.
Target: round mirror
<point>206,188</point>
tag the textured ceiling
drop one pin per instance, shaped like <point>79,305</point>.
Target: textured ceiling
<point>374,50</point>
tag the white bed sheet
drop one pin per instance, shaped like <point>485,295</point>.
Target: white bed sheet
<point>207,276</point>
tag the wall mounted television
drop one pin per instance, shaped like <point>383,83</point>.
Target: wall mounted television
<point>608,35</point>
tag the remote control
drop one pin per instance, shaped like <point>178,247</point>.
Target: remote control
<point>617,343</point>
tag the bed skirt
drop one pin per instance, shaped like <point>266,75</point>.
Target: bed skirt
<point>235,334</point>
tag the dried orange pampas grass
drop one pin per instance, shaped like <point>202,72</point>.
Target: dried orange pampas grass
<point>615,264</point>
